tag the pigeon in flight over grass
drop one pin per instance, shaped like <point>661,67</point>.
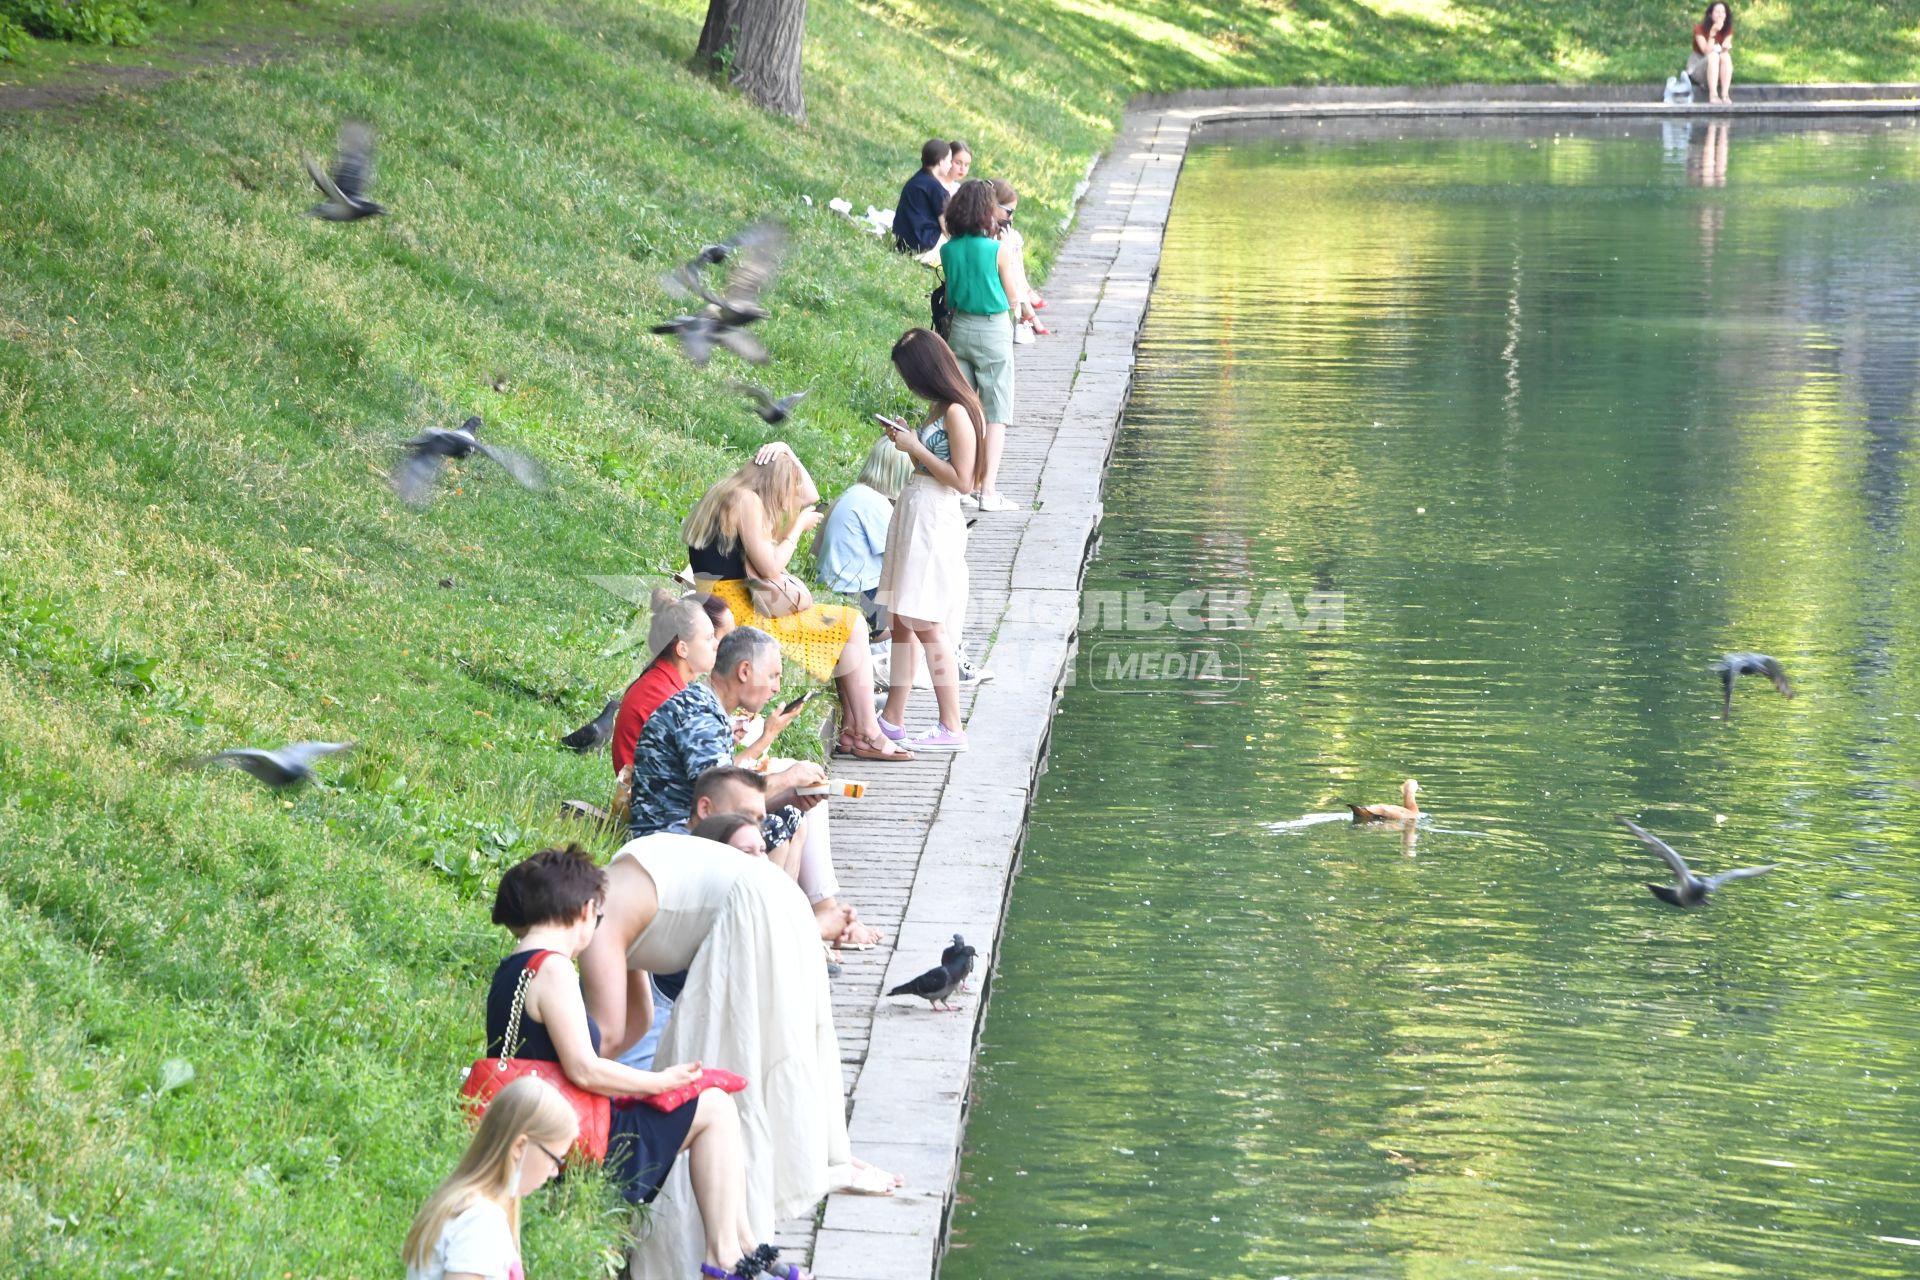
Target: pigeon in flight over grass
<point>1747,664</point>
<point>287,767</point>
<point>1687,889</point>
<point>752,256</point>
<point>688,280</point>
<point>595,733</point>
<point>938,983</point>
<point>345,187</point>
<point>700,334</point>
<point>429,451</point>
<point>959,950</point>
<point>772,412</point>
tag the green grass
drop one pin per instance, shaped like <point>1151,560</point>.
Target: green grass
<point>198,392</point>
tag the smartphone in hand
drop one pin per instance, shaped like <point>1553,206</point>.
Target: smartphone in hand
<point>890,424</point>
<point>801,701</point>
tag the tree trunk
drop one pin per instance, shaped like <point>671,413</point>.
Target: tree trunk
<point>756,45</point>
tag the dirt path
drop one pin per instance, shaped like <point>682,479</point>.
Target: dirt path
<point>171,55</point>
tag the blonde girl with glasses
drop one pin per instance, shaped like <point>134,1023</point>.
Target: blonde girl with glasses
<point>469,1229</point>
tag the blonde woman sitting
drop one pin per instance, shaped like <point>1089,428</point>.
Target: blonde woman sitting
<point>469,1228</point>
<point>853,537</point>
<point>749,526</point>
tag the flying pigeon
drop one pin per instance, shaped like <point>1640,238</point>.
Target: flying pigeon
<point>596,733</point>
<point>688,280</point>
<point>772,412</point>
<point>754,255</point>
<point>287,767</point>
<point>938,983</point>
<point>345,188</point>
<point>429,451</point>
<point>954,952</point>
<point>699,334</point>
<point>1748,664</point>
<point>1687,889</point>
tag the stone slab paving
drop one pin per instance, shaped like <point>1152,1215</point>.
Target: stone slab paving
<point>932,848</point>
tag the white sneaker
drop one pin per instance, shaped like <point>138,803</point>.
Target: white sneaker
<point>969,499</point>
<point>1023,333</point>
<point>971,675</point>
<point>995,502</point>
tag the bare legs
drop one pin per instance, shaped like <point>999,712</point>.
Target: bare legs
<point>911,638</point>
<point>1719,76</point>
<point>718,1167</point>
<point>808,858</point>
<point>995,445</point>
<point>853,677</point>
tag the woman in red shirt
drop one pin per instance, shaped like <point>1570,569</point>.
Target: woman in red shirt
<point>1712,61</point>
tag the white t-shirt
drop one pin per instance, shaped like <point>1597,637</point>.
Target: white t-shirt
<point>478,1242</point>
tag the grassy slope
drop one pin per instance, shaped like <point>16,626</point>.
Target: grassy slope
<point>197,390</point>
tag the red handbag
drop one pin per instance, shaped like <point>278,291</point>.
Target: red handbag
<point>489,1076</point>
<point>711,1078</point>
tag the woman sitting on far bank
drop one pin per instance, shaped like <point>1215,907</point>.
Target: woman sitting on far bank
<point>469,1228</point>
<point>853,537</point>
<point>749,526</point>
<point>959,162</point>
<point>982,274</point>
<point>1711,64</point>
<point>923,581</point>
<point>552,903</point>
<point>1023,297</point>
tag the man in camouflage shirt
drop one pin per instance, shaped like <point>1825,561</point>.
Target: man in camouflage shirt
<point>691,733</point>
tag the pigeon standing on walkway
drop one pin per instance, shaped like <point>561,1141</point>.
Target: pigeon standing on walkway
<point>429,451</point>
<point>345,187</point>
<point>1687,889</point>
<point>287,767</point>
<point>595,733</point>
<point>938,983</point>
<point>1748,664</point>
<point>959,950</point>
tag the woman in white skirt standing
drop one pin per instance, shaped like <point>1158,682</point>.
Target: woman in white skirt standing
<point>923,577</point>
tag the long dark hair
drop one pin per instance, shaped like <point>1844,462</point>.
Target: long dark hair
<point>971,210</point>
<point>1706,19</point>
<point>925,363</point>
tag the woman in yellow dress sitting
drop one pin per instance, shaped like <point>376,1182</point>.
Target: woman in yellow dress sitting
<point>748,526</point>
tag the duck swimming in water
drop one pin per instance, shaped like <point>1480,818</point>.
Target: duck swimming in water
<point>1408,810</point>
<point>1748,664</point>
<point>1687,889</point>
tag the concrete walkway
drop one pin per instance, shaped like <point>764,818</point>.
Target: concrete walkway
<point>932,849</point>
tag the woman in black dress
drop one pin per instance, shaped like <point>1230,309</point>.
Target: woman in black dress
<point>551,902</point>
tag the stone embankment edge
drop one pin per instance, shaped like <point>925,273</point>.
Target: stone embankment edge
<point>911,1099</point>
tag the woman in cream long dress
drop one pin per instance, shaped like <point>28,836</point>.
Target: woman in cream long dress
<point>756,1002</point>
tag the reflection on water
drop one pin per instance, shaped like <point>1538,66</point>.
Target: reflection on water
<point>1562,421</point>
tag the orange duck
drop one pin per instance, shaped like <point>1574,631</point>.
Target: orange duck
<point>1408,810</point>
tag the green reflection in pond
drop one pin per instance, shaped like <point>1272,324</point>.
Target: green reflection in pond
<point>1559,418</point>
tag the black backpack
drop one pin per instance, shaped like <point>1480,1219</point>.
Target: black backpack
<point>942,317</point>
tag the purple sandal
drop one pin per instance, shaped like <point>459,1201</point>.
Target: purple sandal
<point>763,1260</point>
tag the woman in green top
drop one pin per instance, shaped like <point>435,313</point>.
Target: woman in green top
<point>982,272</point>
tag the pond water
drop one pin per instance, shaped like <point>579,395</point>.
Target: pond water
<point>1547,420</point>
